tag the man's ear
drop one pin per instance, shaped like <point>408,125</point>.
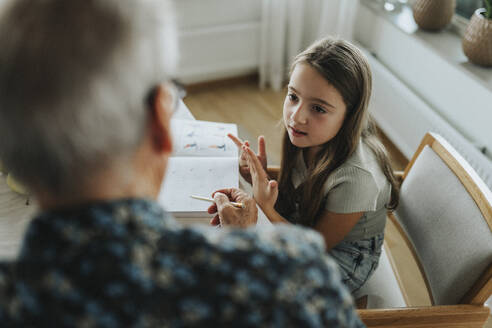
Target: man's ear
<point>161,111</point>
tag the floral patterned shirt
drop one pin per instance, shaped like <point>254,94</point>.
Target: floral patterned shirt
<point>126,263</point>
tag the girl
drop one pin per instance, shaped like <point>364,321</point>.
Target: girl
<point>335,176</point>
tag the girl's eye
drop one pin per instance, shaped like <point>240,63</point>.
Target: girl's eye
<point>319,109</point>
<point>292,97</point>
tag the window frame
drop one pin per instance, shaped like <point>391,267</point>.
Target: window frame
<point>459,23</point>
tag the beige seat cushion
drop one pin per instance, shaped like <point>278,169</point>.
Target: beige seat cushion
<point>382,288</point>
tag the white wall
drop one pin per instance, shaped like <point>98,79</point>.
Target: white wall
<point>217,38</point>
<point>222,38</point>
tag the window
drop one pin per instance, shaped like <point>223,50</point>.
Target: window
<point>464,11</point>
<point>466,8</point>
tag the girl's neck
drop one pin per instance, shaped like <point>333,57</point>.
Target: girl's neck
<point>309,155</point>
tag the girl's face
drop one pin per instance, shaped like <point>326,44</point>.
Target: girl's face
<point>314,110</point>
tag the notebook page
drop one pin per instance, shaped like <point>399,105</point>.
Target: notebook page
<point>203,138</point>
<point>199,176</point>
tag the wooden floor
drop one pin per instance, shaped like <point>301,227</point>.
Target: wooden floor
<point>259,112</point>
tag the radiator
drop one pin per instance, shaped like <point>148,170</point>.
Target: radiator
<point>405,118</point>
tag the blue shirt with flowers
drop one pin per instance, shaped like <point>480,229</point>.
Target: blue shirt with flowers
<point>126,263</point>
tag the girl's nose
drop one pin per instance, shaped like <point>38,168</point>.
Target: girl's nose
<point>299,115</point>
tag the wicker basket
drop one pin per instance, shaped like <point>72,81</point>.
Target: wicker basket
<point>477,41</point>
<point>433,14</point>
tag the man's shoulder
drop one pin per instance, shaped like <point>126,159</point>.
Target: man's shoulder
<point>277,250</point>
<point>6,287</point>
<point>279,276</point>
<point>283,271</point>
<point>282,253</point>
<point>283,239</point>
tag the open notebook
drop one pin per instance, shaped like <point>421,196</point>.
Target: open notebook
<point>204,160</point>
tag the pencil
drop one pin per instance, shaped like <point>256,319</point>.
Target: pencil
<point>239,205</point>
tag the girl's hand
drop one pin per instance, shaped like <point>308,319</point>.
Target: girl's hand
<point>265,191</point>
<point>243,165</point>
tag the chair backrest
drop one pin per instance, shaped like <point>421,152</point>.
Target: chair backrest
<point>445,212</point>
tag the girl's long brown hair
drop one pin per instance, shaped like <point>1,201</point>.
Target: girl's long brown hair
<point>346,68</point>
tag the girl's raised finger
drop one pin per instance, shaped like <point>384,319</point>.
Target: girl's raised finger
<point>261,146</point>
<point>250,158</point>
<point>246,143</point>
<point>255,163</point>
<point>236,140</point>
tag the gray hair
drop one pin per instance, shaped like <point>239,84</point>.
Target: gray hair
<point>74,76</point>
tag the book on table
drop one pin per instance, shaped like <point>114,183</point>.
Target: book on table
<point>204,160</point>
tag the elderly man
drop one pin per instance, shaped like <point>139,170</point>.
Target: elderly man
<point>84,123</point>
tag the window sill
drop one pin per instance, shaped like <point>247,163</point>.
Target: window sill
<point>445,43</point>
<point>433,66</point>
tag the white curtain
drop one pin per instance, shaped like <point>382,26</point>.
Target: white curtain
<point>338,18</point>
<point>281,34</point>
<point>288,26</point>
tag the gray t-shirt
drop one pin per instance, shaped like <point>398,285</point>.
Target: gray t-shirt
<point>358,185</point>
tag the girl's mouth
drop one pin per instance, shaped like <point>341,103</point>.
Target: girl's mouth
<point>297,133</point>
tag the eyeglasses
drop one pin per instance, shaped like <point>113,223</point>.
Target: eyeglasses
<point>176,89</point>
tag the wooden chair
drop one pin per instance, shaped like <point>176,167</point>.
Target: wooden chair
<point>445,217</point>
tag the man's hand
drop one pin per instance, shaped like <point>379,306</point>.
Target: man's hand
<point>229,215</point>
<point>243,164</point>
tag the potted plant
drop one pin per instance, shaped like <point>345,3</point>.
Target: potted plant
<point>477,40</point>
<point>433,15</point>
